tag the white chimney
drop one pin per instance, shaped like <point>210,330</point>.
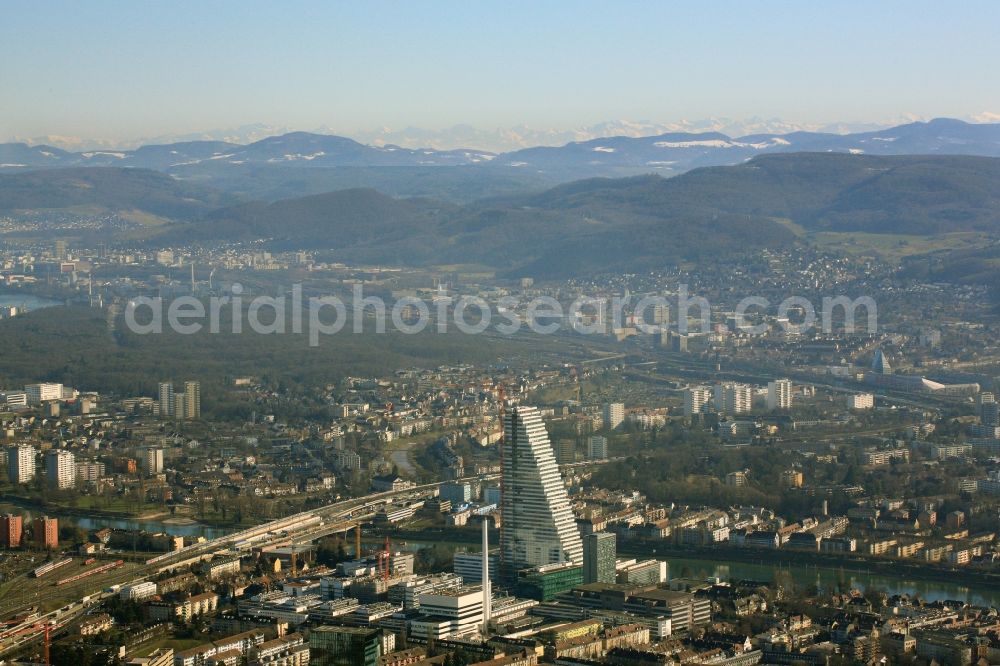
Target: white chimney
<point>487,592</point>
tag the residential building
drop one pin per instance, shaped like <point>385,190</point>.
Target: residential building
<point>779,394</point>
<point>11,529</point>
<point>46,532</point>
<point>861,401</point>
<point>221,567</point>
<point>152,461</point>
<point>20,463</point>
<point>697,400</point>
<point>192,400</point>
<point>60,469</point>
<point>166,400</point>
<point>733,398</point>
<point>614,414</point>
<point>597,447</point>
<point>88,472</point>
<point>136,591</point>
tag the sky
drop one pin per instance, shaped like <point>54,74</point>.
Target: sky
<point>137,69</point>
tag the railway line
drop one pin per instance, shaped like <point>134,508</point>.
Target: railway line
<point>103,581</point>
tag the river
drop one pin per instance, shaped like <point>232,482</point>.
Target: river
<point>805,576</point>
<point>831,578</point>
<point>182,527</point>
<point>26,301</point>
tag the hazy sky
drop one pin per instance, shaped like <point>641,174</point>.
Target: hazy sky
<point>138,68</point>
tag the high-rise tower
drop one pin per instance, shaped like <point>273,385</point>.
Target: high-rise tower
<point>538,526</point>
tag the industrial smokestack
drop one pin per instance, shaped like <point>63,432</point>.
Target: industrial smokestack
<point>487,593</point>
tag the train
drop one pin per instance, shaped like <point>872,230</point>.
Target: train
<point>50,566</point>
<point>96,570</point>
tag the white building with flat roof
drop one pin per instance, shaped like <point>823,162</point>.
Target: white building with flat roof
<point>39,393</point>
<point>450,613</point>
<point>861,401</point>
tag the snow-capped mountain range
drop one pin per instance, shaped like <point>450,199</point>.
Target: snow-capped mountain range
<point>629,150</point>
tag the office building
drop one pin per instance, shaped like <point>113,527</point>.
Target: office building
<point>166,400</point>
<point>345,646</point>
<point>597,447</point>
<point>599,555</point>
<point>11,529</point>
<point>192,400</point>
<point>45,531</point>
<point>614,415</point>
<point>152,461</point>
<point>697,400</point>
<point>469,566</point>
<point>20,463</point>
<point>39,393</point>
<point>60,469</point>
<point>546,582</point>
<point>779,394</point>
<point>451,613</point>
<point>538,526</point>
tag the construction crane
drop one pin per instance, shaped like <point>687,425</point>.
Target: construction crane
<point>574,374</point>
<point>384,558</point>
<point>47,626</point>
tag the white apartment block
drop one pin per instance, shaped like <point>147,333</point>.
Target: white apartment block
<point>614,414</point>
<point>20,463</point>
<point>779,394</point>
<point>597,447</point>
<point>697,400</point>
<point>861,401</point>
<point>733,398</point>
<point>60,469</point>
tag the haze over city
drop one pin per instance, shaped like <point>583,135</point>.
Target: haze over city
<point>499,333</point>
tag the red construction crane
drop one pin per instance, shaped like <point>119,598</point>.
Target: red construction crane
<point>384,556</point>
<point>46,627</point>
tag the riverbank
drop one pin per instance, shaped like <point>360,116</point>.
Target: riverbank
<point>91,519</point>
<point>815,570</point>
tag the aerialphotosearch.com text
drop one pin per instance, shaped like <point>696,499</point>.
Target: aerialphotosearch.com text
<point>319,316</point>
